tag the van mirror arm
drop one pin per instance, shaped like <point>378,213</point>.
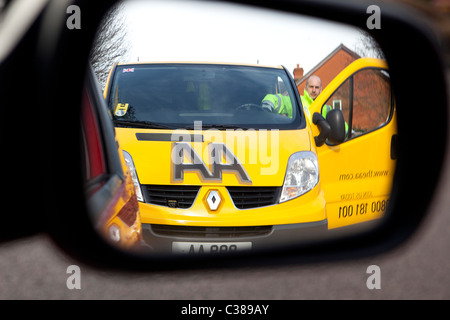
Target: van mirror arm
<point>324,128</point>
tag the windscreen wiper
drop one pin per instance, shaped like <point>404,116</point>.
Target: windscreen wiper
<point>142,124</point>
<point>216,126</point>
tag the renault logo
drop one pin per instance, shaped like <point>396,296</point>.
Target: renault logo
<point>213,200</point>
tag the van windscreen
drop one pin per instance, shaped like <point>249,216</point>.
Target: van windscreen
<point>176,95</point>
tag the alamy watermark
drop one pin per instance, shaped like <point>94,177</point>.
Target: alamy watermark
<point>74,20</point>
<point>374,20</point>
<point>250,146</point>
<point>374,280</point>
<point>74,280</point>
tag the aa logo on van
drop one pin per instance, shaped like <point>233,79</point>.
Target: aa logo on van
<point>217,152</point>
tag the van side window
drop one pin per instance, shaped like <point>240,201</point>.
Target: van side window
<point>365,100</point>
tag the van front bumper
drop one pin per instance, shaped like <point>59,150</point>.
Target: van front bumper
<point>193,239</point>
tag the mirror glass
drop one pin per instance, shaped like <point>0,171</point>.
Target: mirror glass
<point>205,140</point>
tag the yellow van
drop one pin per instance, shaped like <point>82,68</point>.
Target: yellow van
<point>225,158</point>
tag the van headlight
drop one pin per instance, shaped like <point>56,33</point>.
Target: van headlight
<point>302,174</point>
<point>130,164</point>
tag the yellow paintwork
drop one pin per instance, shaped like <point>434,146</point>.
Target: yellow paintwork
<point>153,160</point>
<point>353,173</point>
<point>308,208</point>
<point>330,199</point>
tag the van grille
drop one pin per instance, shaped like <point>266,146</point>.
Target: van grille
<point>181,196</point>
<point>172,196</point>
<point>210,232</point>
<point>254,197</point>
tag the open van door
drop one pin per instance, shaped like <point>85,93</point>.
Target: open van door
<point>357,173</point>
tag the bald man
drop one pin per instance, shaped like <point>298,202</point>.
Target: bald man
<point>312,89</point>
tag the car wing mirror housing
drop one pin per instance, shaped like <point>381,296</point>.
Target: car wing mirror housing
<point>68,50</point>
<point>335,119</point>
<point>332,128</point>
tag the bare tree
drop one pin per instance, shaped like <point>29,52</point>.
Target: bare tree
<point>368,47</point>
<point>111,43</point>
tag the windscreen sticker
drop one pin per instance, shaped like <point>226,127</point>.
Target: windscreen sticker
<point>121,109</point>
<point>128,70</point>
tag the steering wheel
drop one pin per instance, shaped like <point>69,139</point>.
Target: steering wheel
<point>250,107</point>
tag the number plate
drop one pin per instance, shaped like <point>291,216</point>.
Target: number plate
<point>209,247</point>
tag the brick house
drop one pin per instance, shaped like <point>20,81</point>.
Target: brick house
<point>328,68</point>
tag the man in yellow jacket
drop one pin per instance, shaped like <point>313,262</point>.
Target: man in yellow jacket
<point>312,89</point>
<point>278,103</point>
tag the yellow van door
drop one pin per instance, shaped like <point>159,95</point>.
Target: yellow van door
<point>357,174</point>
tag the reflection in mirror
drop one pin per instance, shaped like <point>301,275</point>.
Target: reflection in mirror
<point>211,106</point>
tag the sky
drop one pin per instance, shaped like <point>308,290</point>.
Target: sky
<point>187,31</point>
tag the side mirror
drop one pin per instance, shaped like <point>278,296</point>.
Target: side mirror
<point>335,119</point>
<point>331,128</point>
<point>324,128</point>
<point>49,49</point>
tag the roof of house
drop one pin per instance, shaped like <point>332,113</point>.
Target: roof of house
<point>326,59</point>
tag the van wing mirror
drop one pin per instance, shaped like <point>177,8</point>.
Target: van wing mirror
<point>335,119</point>
<point>332,128</point>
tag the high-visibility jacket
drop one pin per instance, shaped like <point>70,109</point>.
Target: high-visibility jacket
<point>278,103</point>
<point>306,99</point>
